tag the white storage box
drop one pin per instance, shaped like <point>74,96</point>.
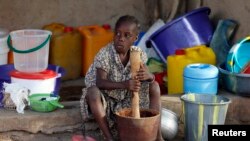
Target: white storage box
<point>42,82</point>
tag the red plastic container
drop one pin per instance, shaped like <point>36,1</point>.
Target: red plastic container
<point>246,69</point>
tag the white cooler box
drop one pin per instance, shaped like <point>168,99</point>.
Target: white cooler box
<point>41,82</point>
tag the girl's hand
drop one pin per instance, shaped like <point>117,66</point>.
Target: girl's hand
<point>143,74</point>
<point>133,85</point>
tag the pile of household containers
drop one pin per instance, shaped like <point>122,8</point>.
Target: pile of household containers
<point>185,41</point>
<point>74,48</point>
<point>235,71</point>
<point>3,56</point>
<point>182,58</point>
<point>183,44</point>
<point>31,70</point>
<point>65,49</point>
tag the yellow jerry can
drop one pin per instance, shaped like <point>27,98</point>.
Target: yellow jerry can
<point>177,62</point>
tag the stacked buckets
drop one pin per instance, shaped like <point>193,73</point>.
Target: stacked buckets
<point>31,69</point>
<point>3,46</point>
<point>201,104</point>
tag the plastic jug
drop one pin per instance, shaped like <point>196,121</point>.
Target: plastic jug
<point>55,28</point>
<point>94,38</point>
<point>66,49</point>
<point>176,64</point>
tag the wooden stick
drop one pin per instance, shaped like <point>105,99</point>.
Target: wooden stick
<point>135,105</point>
<point>135,60</point>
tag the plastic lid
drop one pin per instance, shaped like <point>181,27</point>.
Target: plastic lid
<point>201,71</point>
<point>68,29</point>
<point>180,52</point>
<point>106,26</point>
<point>39,75</point>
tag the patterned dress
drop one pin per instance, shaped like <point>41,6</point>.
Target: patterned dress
<point>113,100</point>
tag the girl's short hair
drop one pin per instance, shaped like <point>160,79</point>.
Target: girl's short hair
<point>129,19</point>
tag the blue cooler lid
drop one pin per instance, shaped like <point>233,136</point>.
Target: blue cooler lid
<point>201,71</point>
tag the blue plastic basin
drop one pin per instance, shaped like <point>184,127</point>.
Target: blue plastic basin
<point>191,29</point>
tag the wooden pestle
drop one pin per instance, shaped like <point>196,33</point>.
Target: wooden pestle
<point>135,60</point>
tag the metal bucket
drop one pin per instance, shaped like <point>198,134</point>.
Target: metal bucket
<point>169,124</point>
<point>201,110</point>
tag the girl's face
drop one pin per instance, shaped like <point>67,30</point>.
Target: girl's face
<point>125,36</point>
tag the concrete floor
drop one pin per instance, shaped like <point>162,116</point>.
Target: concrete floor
<point>71,90</point>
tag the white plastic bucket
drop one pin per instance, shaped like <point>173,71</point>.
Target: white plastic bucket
<point>3,47</point>
<point>4,56</point>
<point>31,49</point>
<point>42,82</point>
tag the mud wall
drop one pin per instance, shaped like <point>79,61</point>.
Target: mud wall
<point>20,14</point>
